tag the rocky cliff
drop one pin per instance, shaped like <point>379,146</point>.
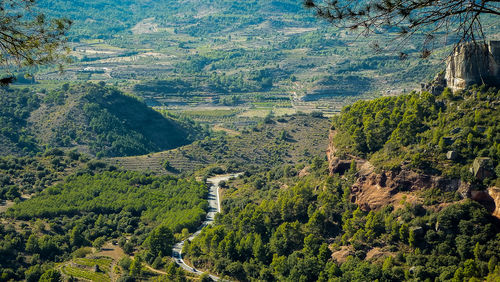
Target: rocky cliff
<point>490,199</point>
<point>375,190</point>
<point>473,64</point>
<point>372,191</point>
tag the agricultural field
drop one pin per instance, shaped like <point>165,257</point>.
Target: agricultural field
<point>95,269</point>
<point>220,55</point>
<point>287,140</point>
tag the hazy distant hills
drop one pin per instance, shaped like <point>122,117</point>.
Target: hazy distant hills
<point>92,118</point>
<point>106,18</point>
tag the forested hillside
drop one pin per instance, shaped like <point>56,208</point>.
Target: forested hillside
<point>15,108</point>
<point>279,225</point>
<point>92,118</point>
<point>98,18</point>
<point>27,175</point>
<point>310,231</point>
<point>440,135</point>
<point>92,207</point>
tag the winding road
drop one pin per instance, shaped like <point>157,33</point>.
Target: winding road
<point>214,207</point>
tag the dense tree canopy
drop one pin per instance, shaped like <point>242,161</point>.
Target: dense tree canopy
<point>274,234</point>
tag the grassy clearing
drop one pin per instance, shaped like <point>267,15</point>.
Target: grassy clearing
<point>255,113</point>
<point>263,112</point>
<point>228,131</point>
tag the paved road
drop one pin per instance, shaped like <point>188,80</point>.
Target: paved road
<point>214,207</point>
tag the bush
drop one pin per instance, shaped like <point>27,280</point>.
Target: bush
<point>82,252</point>
<point>125,262</point>
<point>99,242</point>
<point>51,275</point>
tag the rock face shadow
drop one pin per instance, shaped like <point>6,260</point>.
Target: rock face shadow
<point>490,199</point>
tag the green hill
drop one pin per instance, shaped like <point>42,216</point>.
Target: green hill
<point>437,135</point>
<point>93,118</point>
<point>280,226</point>
<point>100,17</point>
<point>15,108</point>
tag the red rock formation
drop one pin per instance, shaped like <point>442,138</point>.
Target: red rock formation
<point>373,191</point>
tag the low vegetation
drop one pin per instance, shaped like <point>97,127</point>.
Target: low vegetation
<point>275,141</point>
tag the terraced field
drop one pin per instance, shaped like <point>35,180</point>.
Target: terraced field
<point>154,162</point>
<point>289,139</point>
<point>91,269</point>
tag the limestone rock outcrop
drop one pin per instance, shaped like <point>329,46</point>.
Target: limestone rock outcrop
<point>473,64</point>
<point>436,86</point>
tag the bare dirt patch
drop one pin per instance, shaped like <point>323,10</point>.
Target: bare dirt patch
<point>378,253</point>
<point>341,255</point>
<point>112,251</point>
<point>5,205</point>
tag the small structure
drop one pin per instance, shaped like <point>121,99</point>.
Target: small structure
<point>96,268</point>
<point>451,155</point>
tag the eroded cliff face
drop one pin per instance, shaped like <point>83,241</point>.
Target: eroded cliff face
<point>473,64</point>
<point>495,196</point>
<point>376,190</point>
<point>373,190</point>
<point>338,165</point>
<point>490,199</point>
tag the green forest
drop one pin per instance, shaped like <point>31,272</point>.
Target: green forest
<point>421,129</point>
<point>284,219</point>
<point>91,207</point>
<point>217,140</point>
<point>267,233</point>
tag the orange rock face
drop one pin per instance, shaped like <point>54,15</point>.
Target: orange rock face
<point>373,191</point>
